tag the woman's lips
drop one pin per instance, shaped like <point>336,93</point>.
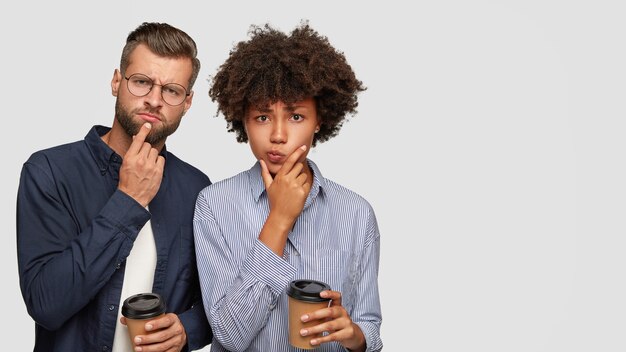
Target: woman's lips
<point>275,157</point>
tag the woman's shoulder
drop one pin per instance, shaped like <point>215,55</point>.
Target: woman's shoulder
<point>228,184</point>
<point>346,196</point>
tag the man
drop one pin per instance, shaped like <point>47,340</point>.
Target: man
<point>110,216</point>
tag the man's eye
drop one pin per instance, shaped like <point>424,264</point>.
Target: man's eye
<point>142,82</point>
<point>171,91</point>
<point>261,118</point>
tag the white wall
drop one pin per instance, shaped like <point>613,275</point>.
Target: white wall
<point>490,143</point>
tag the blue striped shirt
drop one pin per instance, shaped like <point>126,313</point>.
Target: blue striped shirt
<point>335,240</point>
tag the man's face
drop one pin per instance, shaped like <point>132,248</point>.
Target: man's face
<point>132,111</point>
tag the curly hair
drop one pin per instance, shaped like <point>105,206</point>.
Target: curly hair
<point>273,66</point>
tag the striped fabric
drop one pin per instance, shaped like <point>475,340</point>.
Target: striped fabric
<point>335,240</point>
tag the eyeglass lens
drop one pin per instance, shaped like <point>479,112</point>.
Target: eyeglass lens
<point>172,93</point>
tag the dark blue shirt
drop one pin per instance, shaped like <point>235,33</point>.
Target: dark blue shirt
<point>75,230</point>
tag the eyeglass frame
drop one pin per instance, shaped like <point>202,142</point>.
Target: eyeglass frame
<point>187,93</point>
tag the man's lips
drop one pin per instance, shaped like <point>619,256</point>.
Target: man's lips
<point>149,117</point>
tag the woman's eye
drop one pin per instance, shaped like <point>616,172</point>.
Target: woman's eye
<point>261,118</point>
<point>297,117</point>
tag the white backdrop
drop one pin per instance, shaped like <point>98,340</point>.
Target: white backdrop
<point>490,143</point>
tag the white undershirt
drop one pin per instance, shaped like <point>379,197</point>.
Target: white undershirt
<point>138,278</point>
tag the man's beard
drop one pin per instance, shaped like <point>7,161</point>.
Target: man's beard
<point>157,134</point>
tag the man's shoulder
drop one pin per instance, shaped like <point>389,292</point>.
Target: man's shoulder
<point>181,168</point>
<point>57,153</point>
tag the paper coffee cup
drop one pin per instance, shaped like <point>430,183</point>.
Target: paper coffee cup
<point>140,308</point>
<point>304,297</point>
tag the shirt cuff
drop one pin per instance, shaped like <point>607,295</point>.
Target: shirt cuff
<point>268,268</point>
<point>126,213</point>
<point>372,336</point>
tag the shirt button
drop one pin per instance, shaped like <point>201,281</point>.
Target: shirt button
<point>111,307</point>
<point>105,348</point>
<point>119,265</point>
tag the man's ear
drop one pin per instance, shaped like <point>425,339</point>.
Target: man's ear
<point>188,101</point>
<point>116,82</point>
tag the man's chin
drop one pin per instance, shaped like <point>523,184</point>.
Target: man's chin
<point>155,139</point>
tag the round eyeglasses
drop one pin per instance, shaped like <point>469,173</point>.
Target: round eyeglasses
<point>140,85</point>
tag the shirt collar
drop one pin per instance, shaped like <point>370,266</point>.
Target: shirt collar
<point>257,187</point>
<point>101,152</point>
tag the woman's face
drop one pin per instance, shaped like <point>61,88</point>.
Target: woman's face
<point>277,131</point>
